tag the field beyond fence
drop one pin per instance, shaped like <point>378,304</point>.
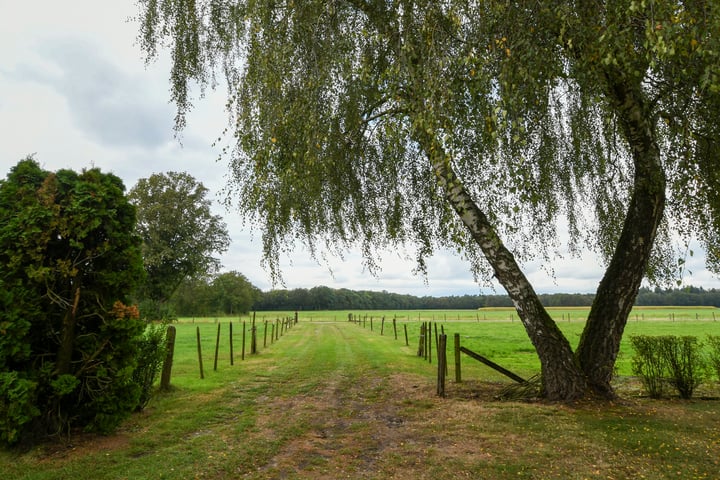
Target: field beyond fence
<point>560,314</point>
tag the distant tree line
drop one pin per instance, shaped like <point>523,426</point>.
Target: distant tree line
<point>231,293</point>
<point>326,298</point>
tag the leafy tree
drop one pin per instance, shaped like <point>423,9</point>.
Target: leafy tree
<point>473,125</point>
<point>194,297</point>
<point>233,293</point>
<point>180,234</point>
<point>69,259</point>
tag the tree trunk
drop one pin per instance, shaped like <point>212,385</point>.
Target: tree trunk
<point>600,341</point>
<point>562,377</point>
<point>67,341</point>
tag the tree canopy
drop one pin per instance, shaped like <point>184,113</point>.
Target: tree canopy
<point>179,232</point>
<point>472,125</point>
<point>69,262</point>
<point>227,293</point>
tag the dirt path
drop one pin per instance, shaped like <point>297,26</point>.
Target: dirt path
<point>358,423</point>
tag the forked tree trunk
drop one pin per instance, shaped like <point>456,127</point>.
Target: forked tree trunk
<point>562,377</point>
<point>600,341</point>
<point>568,376</point>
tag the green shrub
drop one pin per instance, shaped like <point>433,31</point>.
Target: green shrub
<point>661,360</point>
<point>150,360</point>
<point>714,356</point>
<point>69,261</point>
<point>649,363</point>
<point>685,363</point>
<point>17,406</point>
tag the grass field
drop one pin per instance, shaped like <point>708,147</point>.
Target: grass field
<point>331,399</point>
<point>498,334</point>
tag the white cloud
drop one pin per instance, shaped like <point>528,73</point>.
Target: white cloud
<point>112,107</point>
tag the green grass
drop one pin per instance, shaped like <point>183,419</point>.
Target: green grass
<point>337,400</point>
<point>495,333</point>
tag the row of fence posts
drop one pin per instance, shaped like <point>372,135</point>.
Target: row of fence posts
<point>425,345</point>
<point>363,321</point>
<point>276,330</point>
<point>428,330</point>
<point>430,335</point>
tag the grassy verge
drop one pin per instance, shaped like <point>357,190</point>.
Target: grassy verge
<point>336,400</point>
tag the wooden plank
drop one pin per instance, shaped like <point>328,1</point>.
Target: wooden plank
<point>492,365</point>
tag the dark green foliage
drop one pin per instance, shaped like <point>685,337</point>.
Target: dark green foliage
<point>68,261</point>
<point>668,359</point>
<point>228,293</point>
<point>233,293</point>
<point>17,405</point>
<point>157,310</point>
<point>180,236</point>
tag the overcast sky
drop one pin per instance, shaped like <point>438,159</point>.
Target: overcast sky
<point>75,92</point>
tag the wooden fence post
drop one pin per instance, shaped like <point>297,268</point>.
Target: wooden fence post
<point>242,357</point>
<point>217,348</point>
<point>429,343</point>
<point>382,326</point>
<point>253,336</point>
<point>253,340</point>
<point>199,348</point>
<point>407,342</point>
<point>232,360</point>
<point>170,351</point>
<point>458,375</point>
<point>442,363</point>
<point>395,327</point>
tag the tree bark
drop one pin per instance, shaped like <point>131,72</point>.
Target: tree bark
<point>616,294</point>
<point>67,341</point>
<point>562,378</point>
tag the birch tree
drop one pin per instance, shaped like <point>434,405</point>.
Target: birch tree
<point>474,125</point>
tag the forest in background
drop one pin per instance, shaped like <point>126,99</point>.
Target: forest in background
<point>325,298</point>
<point>205,298</point>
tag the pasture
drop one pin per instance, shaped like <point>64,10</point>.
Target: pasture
<point>331,399</point>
